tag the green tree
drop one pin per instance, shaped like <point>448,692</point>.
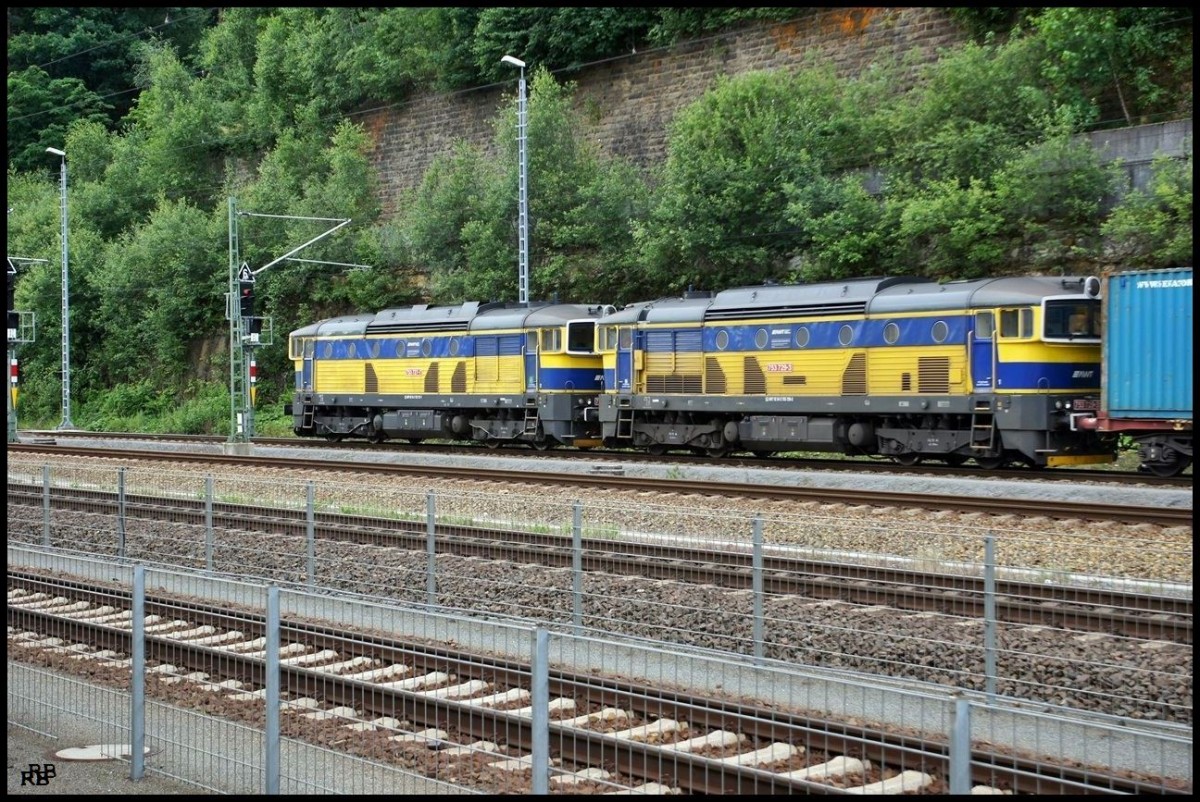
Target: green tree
<point>1130,62</point>
<point>1152,227</point>
<point>720,215</point>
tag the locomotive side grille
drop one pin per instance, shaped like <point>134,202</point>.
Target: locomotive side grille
<point>714,377</point>
<point>370,380</point>
<point>754,381</point>
<point>458,380</point>
<point>685,383</point>
<point>933,374</point>
<point>854,378</point>
<point>797,380</point>
<point>431,378</point>
<point>906,381</point>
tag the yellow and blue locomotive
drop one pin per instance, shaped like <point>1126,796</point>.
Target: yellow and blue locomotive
<point>995,370</point>
<point>494,373</point>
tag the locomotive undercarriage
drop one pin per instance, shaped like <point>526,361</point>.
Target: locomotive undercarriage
<point>992,432</point>
<point>538,422</point>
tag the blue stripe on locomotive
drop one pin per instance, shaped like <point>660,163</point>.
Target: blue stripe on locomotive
<point>1015,376</point>
<point>825,334</point>
<point>570,379</point>
<point>587,379</point>
<point>413,347</point>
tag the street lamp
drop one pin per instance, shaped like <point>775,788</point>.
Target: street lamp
<point>523,191</point>
<point>66,304</point>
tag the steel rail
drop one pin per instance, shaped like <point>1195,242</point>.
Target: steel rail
<point>1162,516</point>
<point>883,745</point>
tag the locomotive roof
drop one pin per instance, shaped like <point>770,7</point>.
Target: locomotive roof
<point>799,300</point>
<point>973,294</point>
<point>425,318</point>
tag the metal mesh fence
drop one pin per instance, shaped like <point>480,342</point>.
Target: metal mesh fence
<point>846,594</point>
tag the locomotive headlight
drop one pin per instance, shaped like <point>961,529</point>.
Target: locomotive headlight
<point>1058,404</point>
<point>1067,405</point>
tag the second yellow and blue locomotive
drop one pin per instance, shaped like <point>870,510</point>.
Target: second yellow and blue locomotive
<point>994,370</point>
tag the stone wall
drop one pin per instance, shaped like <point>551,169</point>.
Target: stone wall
<point>628,102</point>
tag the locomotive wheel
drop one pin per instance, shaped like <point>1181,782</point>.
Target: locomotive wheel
<point>1167,469</point>
<point>717,452</point>
<point>493,443</point>
<point>954,460</point>
<point>656,449</point>
<point>335,438</point>
<point>907,459</point>
<point>991,463</point>
<point>414,440</point>
<point>541,443</point>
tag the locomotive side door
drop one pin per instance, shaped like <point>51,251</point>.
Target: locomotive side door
<point>624,377</point>
<point>306,373</point>
<point>531,360</point>
<point>983,351</point>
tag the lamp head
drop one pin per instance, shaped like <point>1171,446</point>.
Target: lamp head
<point>56,152</point>
<point>516,62</point>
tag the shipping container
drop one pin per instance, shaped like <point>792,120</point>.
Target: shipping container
<point>1148,335</point>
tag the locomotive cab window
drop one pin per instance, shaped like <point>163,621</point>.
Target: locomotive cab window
<point>581,337</point>
<point>551,340</point>
<point>608,338</point>
<point>983,325</point>
<point>1071,320</point>
<point>1016,323</point>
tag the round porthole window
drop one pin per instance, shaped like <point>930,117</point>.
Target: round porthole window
<point>891,333</point>
<point>454,346</point>
<point>375,349</point>
<point>940,331</point>
<point>760,338</point>
<point>802,337</point>
<point>426,347</point>
<point>327,351</point>
<point>722,339</point>
<point>846,334</point>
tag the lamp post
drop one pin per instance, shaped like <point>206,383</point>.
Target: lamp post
<point>66,303</point>
<point>523,191</point>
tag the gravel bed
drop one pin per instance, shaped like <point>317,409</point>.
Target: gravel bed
<point>1108,674</point>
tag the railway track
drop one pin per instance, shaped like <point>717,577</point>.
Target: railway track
<point>784,571</point>
<point>435,708</point>
<point>1054,509</point>
<point>617,457</point>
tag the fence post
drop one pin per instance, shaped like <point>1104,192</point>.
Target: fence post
<point>989,615</point>
<point>271,736</point>
<point>137,684</point>
<point>960,747</point>
<point>539,754</point>
<point>310,508</point>
<point>577,565</point>
<point>757,585</point>
<point>121,513</point>
<point>209,534</point>
<point>46,505</point>
<point>431,558</point>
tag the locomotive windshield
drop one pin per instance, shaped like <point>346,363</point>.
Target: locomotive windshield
<point>1071,319</point>
<point>581,337</point>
